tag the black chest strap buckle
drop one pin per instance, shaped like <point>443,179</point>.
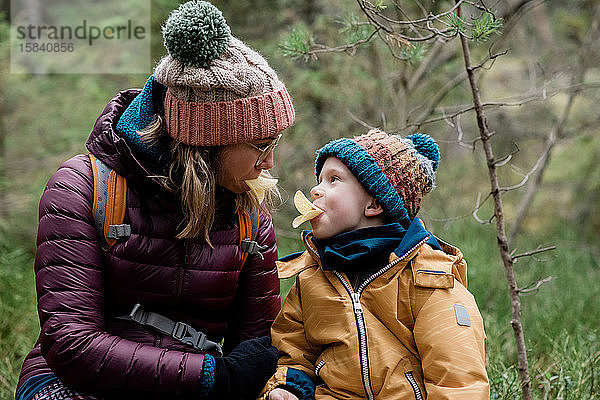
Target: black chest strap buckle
<point>179,331</point>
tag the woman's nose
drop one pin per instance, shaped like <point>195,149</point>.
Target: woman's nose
<point>267,163</point>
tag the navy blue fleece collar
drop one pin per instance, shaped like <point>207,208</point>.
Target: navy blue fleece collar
<point>405,243</point>
<point>369,248</point>
<point>415,234</point>
<point>359,249</point>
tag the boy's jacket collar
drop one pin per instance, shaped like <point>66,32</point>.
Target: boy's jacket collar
<point>414,237</point>
<point>289,268</point>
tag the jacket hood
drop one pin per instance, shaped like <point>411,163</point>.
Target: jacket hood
<point>111,148</point>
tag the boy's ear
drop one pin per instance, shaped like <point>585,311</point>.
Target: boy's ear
<point>373,209</point>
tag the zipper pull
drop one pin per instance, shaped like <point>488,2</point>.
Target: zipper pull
<point>356,303</point>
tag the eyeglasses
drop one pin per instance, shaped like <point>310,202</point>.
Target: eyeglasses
<point>264,149</point>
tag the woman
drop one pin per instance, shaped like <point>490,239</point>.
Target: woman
<point>206,122</point>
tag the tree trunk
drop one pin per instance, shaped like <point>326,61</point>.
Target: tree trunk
<point>503,245</point>
<point>4,71</point>
<point>3,205</point>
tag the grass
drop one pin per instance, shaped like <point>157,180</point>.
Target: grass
<point>18,317</point>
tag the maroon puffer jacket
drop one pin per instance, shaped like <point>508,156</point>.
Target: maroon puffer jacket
<point>81,288</point>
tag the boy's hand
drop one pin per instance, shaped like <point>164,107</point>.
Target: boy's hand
<point>281,394</point>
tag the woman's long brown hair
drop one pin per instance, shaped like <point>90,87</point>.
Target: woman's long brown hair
<point>192,173</point>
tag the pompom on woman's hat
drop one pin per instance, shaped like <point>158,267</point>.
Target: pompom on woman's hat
<point>219,91</point>
<point>396,171</point>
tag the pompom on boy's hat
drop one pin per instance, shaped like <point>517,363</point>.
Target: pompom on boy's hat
<point>219,91</point>
<point>396,171</point>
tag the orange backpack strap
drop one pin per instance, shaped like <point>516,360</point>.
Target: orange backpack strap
<point>249,222</point>
<point>110,203</point>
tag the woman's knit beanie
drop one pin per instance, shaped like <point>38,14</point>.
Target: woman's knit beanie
<point>396,171</point>
<point>219,91</point>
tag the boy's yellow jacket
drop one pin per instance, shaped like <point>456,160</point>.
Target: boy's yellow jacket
<point>413,331</point>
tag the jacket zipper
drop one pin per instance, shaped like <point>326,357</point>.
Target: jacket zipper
<point>413,383</point>
<point>318,367</point>
<point>390,265</point>
<point>360,322</point>
<point>362,336</point>
<point>181,271</point>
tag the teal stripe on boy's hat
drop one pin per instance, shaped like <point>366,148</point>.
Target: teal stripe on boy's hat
<point>368,173</point>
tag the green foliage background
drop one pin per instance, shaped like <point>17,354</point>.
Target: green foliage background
<point>45,119</point>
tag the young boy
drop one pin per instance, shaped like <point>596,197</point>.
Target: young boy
<point>379,309</point>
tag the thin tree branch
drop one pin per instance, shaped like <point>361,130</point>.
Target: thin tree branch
<point>448,86</point>
<point>533,287</point>
<point>557,131</point>
<point>491,57</point>
<point>478,206</point>
<point>415,21</point>
<point>533,252</point>
<point>471,213</point>
<point>371,13</point>
<point>358,120</point>
<point>495,104</point>
<point>504,160</point>
<point>320,48</point>
<point>526,177</point>
<point>461,142</point>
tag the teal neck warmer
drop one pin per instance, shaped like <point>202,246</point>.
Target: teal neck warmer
<point>361,249</point>
<point>140,113</point>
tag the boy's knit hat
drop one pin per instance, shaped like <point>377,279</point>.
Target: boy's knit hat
<point>219,91</point>
<point>396,171</point>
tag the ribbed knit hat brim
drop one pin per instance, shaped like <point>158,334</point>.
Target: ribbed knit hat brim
<point>228,122</point>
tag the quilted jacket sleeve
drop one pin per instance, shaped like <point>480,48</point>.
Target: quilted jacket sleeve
<point>449,335</point>
<point>257,301</point>
<point>70,283</point>
<point>297,356</point>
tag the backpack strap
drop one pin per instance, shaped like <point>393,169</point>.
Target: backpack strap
<point>110,204</point>
<point>249,223</point>
<point>179,331</point>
